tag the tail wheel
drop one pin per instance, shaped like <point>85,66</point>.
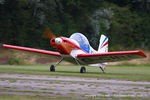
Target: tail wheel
<point>82,70</point>
<point>52,68</point>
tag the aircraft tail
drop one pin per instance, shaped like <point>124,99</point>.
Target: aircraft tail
<point>103,46</point>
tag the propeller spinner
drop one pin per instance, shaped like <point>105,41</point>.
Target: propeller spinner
<point>58,41</point>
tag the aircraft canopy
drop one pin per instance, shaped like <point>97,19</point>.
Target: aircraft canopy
<point>82,40</point>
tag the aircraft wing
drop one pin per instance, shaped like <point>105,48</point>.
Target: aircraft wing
<point>32,50</point>
<point>109,57</point>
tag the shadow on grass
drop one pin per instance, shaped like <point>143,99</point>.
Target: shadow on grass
<point>96,73</point>
<point>79,72</point>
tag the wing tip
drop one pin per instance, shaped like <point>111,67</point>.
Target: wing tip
<point>142,53</point>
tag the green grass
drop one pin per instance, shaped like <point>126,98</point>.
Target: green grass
<point>29,91</point>
<point>27,97</point>
<point>134,73</point>
<point>103,93</point>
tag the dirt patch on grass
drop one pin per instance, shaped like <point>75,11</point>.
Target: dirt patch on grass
<point>4,60</point>
<point>44,60</point>
<point>27,58</point>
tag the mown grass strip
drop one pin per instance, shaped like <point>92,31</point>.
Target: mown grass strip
<point>32,97</point>
<point>29,91</point>
<point>135,73</point>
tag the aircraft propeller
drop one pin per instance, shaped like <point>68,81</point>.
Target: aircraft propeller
<point>49,34</point>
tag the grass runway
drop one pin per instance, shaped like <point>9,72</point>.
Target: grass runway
<point>133,73</point>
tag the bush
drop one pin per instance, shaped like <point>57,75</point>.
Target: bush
<point>15,61</point>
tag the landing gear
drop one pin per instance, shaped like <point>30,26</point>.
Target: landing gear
<point>52,68</point>
<point>102,68</point>
<point>82,70</point>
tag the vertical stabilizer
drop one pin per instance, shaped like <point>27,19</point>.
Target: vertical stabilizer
<point>103,46</point>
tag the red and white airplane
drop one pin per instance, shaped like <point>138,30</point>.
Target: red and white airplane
<point>77,49</point>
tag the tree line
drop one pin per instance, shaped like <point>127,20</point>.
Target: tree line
<point>126,23</point>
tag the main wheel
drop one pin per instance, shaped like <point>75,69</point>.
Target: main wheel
<point>52,68</point>
<point>82,70</point>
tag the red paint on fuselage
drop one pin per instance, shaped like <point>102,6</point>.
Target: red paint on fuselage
<point>66,46</point>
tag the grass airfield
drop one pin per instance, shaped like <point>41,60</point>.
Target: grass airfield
<point>122,72</point>
<point>35,82</point>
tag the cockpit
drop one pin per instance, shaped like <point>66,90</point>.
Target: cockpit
<point>82,41</point>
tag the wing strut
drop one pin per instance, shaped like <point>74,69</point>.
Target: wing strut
<point>52,67</point>
<point>102,68</point>
<point>82,69</point>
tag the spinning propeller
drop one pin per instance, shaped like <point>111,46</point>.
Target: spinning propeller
<point>59,41</point>
<point>50,35</point>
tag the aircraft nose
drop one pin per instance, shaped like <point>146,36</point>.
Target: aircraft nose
<point>58,41</point>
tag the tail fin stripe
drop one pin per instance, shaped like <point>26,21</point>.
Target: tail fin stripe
<point>104,41</point>
<point>105,44</point>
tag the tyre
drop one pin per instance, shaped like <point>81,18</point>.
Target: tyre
<point>52,68</point>
<point>82,70</point>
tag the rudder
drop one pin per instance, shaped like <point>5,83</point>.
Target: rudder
<point>103,46</point>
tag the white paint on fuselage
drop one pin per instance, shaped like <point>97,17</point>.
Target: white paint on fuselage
<point>75,42</point>
<point>75,52</point>
<point>92,50</point>
<point>99,65</point>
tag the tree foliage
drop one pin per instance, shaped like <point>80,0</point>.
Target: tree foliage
<point>126,23</point>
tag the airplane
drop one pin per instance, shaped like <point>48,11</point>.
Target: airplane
<point>76,49</point>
